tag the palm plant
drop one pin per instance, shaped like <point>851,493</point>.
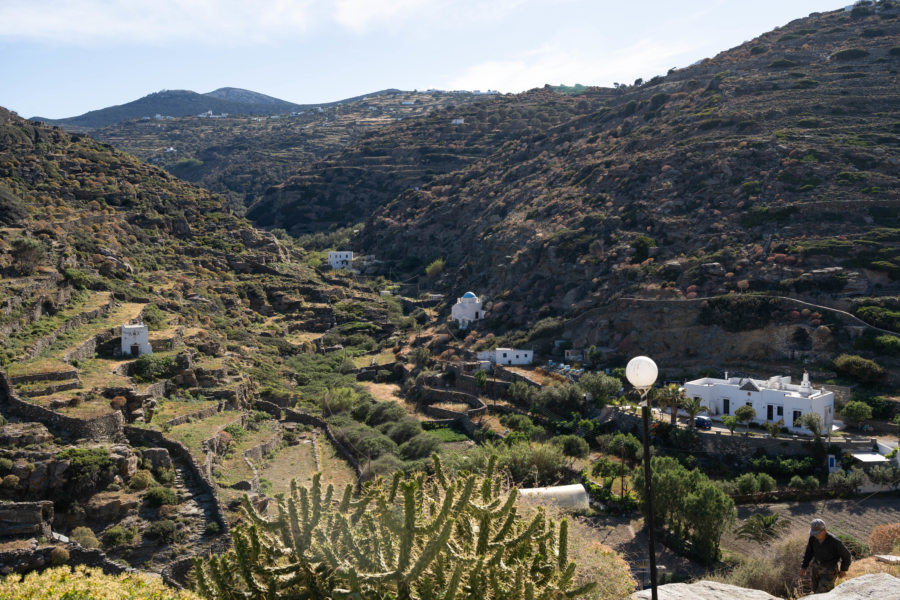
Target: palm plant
<point>762,528</point>
<point>693,408</point>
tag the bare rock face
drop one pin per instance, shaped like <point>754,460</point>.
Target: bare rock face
<point>703,590</point>
<point>158,457</point>
<point>874,586</point>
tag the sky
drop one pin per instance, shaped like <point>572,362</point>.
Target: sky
<point>61,58</point>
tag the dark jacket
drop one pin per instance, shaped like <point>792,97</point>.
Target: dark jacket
<point>827,552</point>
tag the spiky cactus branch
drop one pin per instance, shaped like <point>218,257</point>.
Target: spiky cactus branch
<point>419,538</point>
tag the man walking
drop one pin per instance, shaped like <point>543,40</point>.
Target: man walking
<point>822,554</point>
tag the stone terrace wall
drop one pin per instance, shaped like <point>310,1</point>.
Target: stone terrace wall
<point>307,419</point>
<point>48,376</point>
<point>105,427</point>
<point>138,436</point>
<point>435,395</point>
<point>76,321</point>
<point>89,346</point>
<point>504,373</point>
<point>200,414</point>
<point>26,560</point>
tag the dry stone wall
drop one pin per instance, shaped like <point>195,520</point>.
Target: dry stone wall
<point>106,427</point>
<point>76,321</point>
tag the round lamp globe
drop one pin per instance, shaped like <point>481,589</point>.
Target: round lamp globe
<point>641,372</point>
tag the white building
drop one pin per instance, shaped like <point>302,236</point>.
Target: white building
<point>135,340</point>
<point>466,310</point>
<point>458,122</point>
<point>773,399</point>
<point>340,260</point>
<point>507,356</point>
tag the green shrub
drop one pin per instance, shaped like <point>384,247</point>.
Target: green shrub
<point>85,537</point>
<point>862,369</point>
<point>420,446</point>
<point>141,480</point>
<point>212,528</point>
<point>88,468</point>
<point>384,412</point>
<point>403,430</point>
<point>849,54</point>
<point>10,482</point>
<point>766,482</point>
<point>152,367</point>
<point>782,63</point>
<point>797,483</point>
<point>165,476</point>
<point>165,531</point>
<point>572,445</point>
<point>6,465</point>
<point>59,556</point>
<point>117,536</point>
<point>747,484</point>
<point>858,549</point>
<point>158,496</point>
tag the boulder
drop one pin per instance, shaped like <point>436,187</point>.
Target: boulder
<point>159,458</point>
<point>873,586</point>
<point>703,590</point>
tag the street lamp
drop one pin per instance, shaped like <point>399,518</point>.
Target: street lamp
<point>641,372</point>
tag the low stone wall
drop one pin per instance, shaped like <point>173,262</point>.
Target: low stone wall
<point>510,376</point>
<point>269,407</point>
<point>196,415</point>
<point>257,452</point>
<point>105,427</point>
<point>434,395</point>
<point>48,376</point>
<point>52,389</point>
<point>76,321</point>
<point>89,347</point>
<point>27,560</point>
<point>138,436</point>
<point>307,419</point>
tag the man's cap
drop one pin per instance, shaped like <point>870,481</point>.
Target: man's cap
<point>816,527</point>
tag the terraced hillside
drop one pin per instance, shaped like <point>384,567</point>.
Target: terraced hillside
<point>240,157</point>
<point>146,456</point>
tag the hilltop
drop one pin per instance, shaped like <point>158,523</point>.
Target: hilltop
<point>240,157</point>
<point>178,103</point>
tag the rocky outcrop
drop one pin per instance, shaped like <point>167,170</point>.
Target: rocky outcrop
<point>880,586</point>
<point>874,586</point>
<point>25,519</point>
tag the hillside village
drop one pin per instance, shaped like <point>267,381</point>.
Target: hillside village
<point>196,393</point>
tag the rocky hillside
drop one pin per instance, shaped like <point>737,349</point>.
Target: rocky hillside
<point>179,103</point>
<point>92,239</point>
<point>240,157</point>
<point>346,187</point>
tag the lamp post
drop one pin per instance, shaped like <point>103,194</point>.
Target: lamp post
<point>641,373</point>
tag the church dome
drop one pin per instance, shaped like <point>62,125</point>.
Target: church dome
<point>469,295</point>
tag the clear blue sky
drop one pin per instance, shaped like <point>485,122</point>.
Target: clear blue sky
<point>62,58</point>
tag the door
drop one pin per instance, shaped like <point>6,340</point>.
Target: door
<point>135,350</point>
<point>726,406</point>
<point>770,413</point>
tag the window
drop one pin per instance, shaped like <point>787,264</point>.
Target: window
<point>779,411</point>
<point>748,403</point>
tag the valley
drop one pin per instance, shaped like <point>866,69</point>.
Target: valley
<point>275,352</point>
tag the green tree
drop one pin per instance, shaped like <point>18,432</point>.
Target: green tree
<point>731,422</point>
<point>858,412</point>
<point>762,528</point>
<point>481,379</point>
<point>693,408</point>
<point>601,387</point>
<point>672,397</point>
<point>745,413</point>
<point>412,538</point>
<point>813,422</point>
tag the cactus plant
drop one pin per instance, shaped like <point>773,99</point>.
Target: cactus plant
<point>414,537</point>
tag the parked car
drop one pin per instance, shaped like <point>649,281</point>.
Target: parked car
<point>703,423</point>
